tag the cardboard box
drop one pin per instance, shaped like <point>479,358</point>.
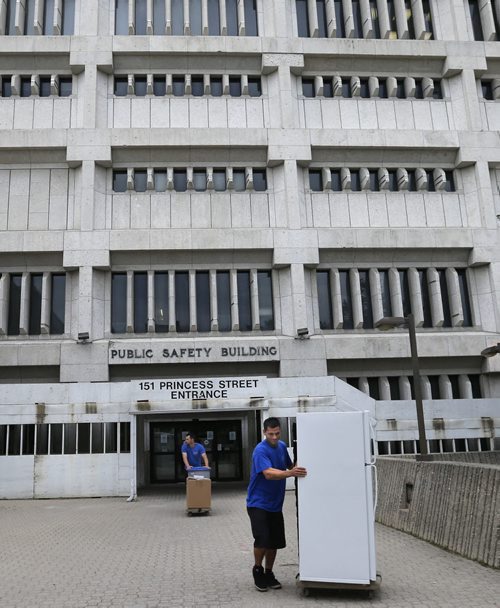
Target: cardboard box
<point>198,493</point>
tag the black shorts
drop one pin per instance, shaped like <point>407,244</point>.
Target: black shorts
<point>268,528</point>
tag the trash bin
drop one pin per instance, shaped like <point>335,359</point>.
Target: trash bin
<point>198,491</point>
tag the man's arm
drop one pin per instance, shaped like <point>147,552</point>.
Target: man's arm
<point>276,474</point>
<point>185,459</point>
<point>205,459</point>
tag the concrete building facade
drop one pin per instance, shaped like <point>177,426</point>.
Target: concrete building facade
<point>205,207</point>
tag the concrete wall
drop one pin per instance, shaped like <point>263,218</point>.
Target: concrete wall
<point>452,504</point>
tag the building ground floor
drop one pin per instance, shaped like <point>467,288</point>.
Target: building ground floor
<point>121,438</point>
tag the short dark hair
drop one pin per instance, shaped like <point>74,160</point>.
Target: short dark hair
<point>271,423</point>
<point>190,434</point>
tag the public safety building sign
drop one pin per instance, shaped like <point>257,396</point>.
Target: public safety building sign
<point>192,351</point>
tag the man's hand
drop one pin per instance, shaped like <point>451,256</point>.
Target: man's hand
<point>298,472</point>
<point>188,466</point>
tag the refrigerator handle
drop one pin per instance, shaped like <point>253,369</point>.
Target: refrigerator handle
<point>375,481</point>
<point>373,437</point>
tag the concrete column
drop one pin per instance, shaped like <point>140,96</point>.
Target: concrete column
<point>214,313</point>
<point>187,20</point>
<point>395,290</point>
<point>3,16</point>
<point>436,300</point>
<point>417,12</point>
<point>416,296</point>
<point>223,17</point>
<point>313,18</point>
<point>487,19</point>
<point>46,303</point>
<point>254,296</point>
<point>456,309</point>
<point>193,321</point>
<point>235,313</point>
<point>4,302</point>
<point>130,301</point>
<point>405,388</point>
<point>357,307</point>
<point>384,388</point>
<point>331,20</point>
<point>241,18</point>
<point>426,388</point>
<point>298,296</point>
<point>58,14</point>
<point>151,301</point>
<point>19,17</point>
<point>24,314</point>
<point>376,294</point>
<point>363,385</point>
<point>383,19</point>
<point>348,18</point>
<point>445,389</point>
<point>465,387</point>
<point>149,17</point>
<point>171,301</point>
<point>38,17</point>
<point>401,21</point>
<point>338,313</point>
<point>131,17</point>
<point>366,19</point>
<point>85,298</point>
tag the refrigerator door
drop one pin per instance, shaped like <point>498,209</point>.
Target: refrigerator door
<point>334,507</point>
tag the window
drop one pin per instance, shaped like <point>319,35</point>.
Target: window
<point>203,315</point>
<point>195,17</point>
<point>216,86</point>
<point>445,298</point>
<point>235,86</point>
<point>232,17</point>
<point>315,180</point>
<point>250,7</point>
<point>177,17</point>
<point>140,180</point>
<point>465,297</point>
<point>357,21</point>
<point>475,18</point>
<point>239,182</point>
<point>259,180</point>
<point>25,86</point>
<point>140,86</point>
<point>321,12</point>
<point>161,301</point>
<point>182,317</point>
<point>385,292</point>
<point>308,89</point>
<point>35,312</point>
<point>119,181</point>
<point>68,17</point>
<point>213,18</point>
<point>254,87</point>
<point>302,18</point>
<point>14,304</point>
<point>6,86</point>
<point>200,180</point>
<point>324,299</point>
<point>159,86</point>
<point>487,89</point>
<point>244,300</point>
<point>159,17</point>
<point>178,86</point>
<point>223,300</point>
<point>48,17</point>
<point>180,180</point>
<point>426,302</point>
<point>121,86</point>
<point>45,86</point>
<point>118,303</point>
<point>197,88</point>
<point>70,438</point>
<point>265,292</point>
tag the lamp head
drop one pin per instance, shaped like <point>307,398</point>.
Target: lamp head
<point>491,351</point>
<point>83,337</point>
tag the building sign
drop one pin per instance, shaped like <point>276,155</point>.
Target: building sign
<point>192,351</point>
<point>193,389</point>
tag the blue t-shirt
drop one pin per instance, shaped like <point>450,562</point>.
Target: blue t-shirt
<point>268,494</point>
<point>193,453</point>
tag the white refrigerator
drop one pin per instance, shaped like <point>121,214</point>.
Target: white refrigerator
<point>335,500</point>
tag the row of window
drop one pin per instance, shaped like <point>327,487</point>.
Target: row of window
<point>65,438</point>
<point>386,19</point>
<point>186,17</point>
<point>356,298</point>
<point>197,85</point>
<point>39,85</point>
<point>485,19</point>
<point>397,388</point>
<point>183,301</point>
<point>439,446</point>
<point>35,303</point>
<point>376,180</point>
<point>188,178</point>
<point>372,87</point>
<point>35,17</point>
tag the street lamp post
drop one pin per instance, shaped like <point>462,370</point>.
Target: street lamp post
<point>409,323</point>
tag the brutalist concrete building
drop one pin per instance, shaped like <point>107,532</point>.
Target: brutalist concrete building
<point>206,207</point>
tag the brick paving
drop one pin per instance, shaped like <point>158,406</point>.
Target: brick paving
<point>108,553</point>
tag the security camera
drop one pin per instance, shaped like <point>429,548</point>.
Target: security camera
<point>302,333</point>
<point>83,336</point>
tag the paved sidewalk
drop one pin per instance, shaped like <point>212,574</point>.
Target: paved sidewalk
<point>110,553</point>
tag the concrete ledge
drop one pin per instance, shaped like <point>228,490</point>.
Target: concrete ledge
<point>454,505</point>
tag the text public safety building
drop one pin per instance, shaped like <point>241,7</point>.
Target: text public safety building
<point>207,205</point>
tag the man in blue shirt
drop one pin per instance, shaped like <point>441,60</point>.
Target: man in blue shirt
<point>271,465</point>
<point>193,453</point>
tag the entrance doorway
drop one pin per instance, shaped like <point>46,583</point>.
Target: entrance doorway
<point>220,438</point>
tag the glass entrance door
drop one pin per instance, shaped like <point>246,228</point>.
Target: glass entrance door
<point>220,438</point>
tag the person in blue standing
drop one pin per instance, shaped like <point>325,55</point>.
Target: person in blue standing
<point>271,466</point>
<point>193,453</point>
